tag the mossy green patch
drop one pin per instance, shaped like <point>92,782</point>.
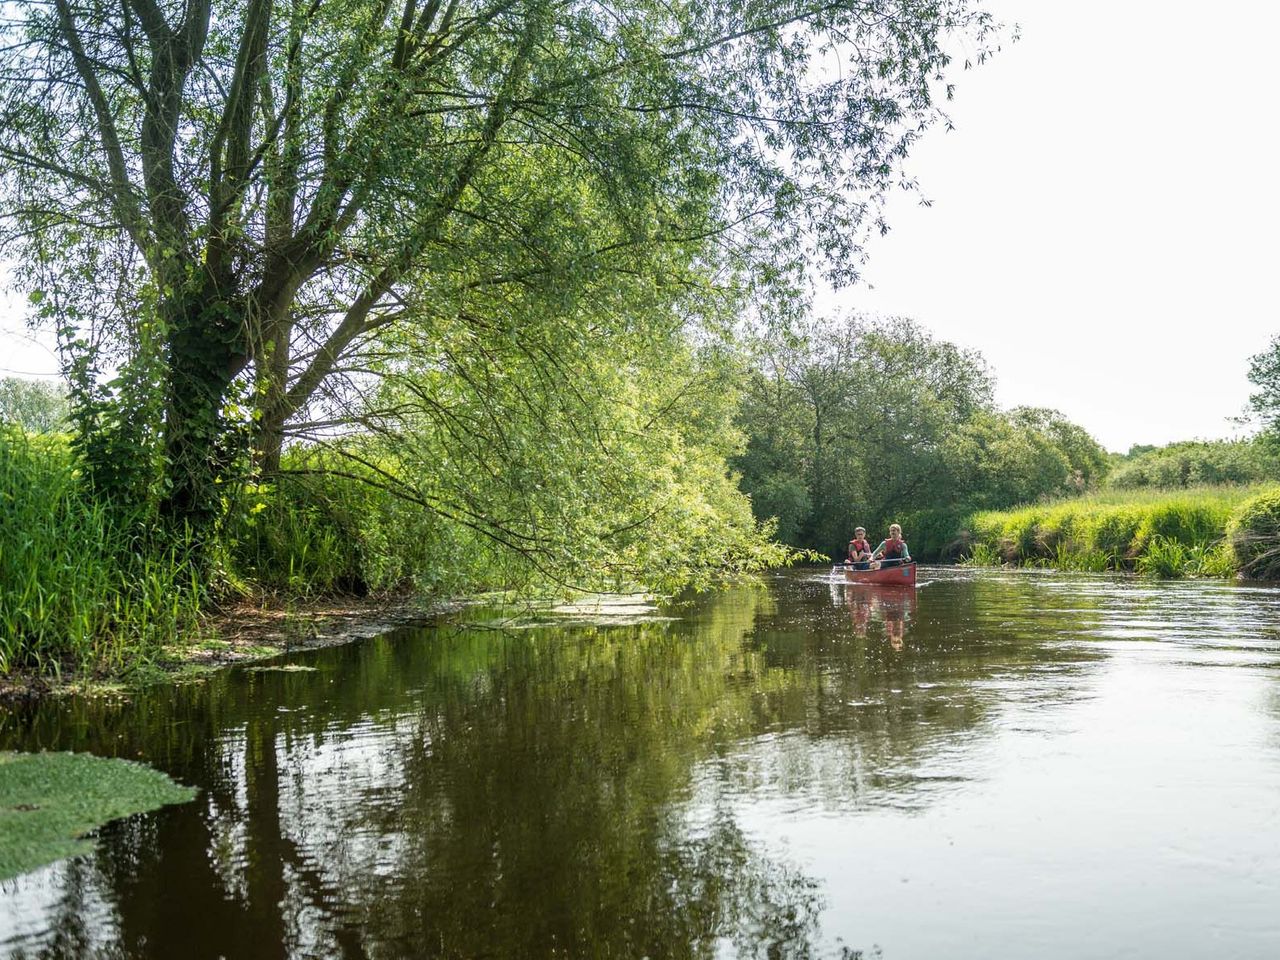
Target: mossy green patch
<point>48,801</point>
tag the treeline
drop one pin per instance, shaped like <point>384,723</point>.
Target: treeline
<point>1190,509</point>
<point>1197,462</point>
<point>865,422</point>
<point>859,422</point>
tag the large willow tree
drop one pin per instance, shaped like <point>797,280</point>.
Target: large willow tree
<point>257,207</point>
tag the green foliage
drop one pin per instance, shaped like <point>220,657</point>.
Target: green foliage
<point>1168,559</point>
<point>1264,373</point>
<point>489,475</point>
<point>1254,536</point>
<point>981,555</point>
<point>617,477</point>
<point>116,427</point>
<point>49,801</point>
<point>1217,561</point>
<point>860,423</point>
<point>280,198</point>
<point>313,533</point>
<point>32,405</point>
<point>82,582</point>
<point>1196,463</point>
<point>1158,533</point>
<point>1164,559</point>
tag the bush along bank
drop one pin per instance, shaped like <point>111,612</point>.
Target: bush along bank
<point>1199,532</point>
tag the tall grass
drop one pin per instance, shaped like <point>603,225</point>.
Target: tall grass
<point>101,588</point>
<point>81,583</point>
<point>1162,533</point>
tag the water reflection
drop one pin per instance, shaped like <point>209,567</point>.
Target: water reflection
<point>891,605</point>
<point>665,789</point>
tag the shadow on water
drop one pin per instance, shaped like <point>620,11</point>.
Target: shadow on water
<point>569,791</point>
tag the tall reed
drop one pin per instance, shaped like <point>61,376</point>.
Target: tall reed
<point>1171,533</point>
<point>81,583</point>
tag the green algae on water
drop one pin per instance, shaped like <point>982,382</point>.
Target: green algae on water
<point>48,801</point>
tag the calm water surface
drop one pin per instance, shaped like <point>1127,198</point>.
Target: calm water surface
<point>996,764</point>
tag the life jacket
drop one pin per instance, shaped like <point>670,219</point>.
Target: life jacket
<point>859,546</point>
<point>893,549</point>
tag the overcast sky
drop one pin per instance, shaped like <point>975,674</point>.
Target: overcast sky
<point>1104,217</point>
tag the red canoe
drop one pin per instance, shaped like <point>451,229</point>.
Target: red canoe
<point>903,575</point>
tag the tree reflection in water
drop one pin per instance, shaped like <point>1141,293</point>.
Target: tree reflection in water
<point>546,792</point>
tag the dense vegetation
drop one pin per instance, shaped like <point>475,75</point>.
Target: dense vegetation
<point>1195,508</point>
<point>855,422</point>
<point>357,296</point>
<point>1195,463</point>
<point>1161,532</point>
<point>260,214</point>
<point>467,294</point>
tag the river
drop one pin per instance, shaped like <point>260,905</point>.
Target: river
<point>1010,764</point>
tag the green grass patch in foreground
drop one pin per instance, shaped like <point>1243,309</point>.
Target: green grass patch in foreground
<point>1158,533</point>
<point>48,801</point>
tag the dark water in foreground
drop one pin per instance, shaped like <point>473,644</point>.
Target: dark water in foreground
<point>996,765</point>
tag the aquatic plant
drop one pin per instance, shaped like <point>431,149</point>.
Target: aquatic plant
<point>48,801</point>
<point>982,555</point>
<point>1164,559</point>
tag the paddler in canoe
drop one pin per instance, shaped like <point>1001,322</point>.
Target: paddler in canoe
<point>859,556</point>
<point>892,551</point>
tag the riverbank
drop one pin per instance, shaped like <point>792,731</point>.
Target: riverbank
<point>238,634</point>
<point>1211,531</point>
<point>108,586</point>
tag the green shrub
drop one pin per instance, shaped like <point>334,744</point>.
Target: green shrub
<point>1188,522</point>
<point>1164,559</point>
<point>318,534</point>
<point>1254,536</point>
<point>1159,533</point>
<point>1197,463</point>
<point>1114,531</point>
<point>933,534</point>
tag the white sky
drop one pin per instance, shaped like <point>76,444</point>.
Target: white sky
<point>1104,217</point>
<point>1105,214</point>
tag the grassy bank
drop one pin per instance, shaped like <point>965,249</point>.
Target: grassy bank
<point>1210,531</point>
<point>81,582</point>
<point>94,588</point>
<point>90,588</point>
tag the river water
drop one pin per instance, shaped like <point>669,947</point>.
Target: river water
<point>995,764</point>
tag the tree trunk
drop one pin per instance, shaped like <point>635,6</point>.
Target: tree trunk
<point>272,370</point>
<point>269,444</point>
<point>203,361</point>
